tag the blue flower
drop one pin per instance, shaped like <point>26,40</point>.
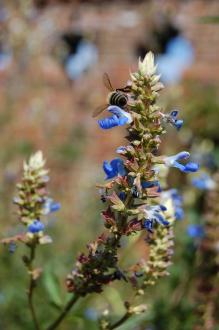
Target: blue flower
<point>203,182</point>
<point>36,226</point>
<point>151,184</point>
<point>177,202</point>
<point>173,161</point>
<point>50,206</point>
<point>114,168</point>
<point>174,121</point>
<point>153,214</point>
<point>195,231</point>
<point>119,118</point>
<point>148,224</point>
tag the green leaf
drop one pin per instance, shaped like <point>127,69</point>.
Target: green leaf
<point>52,287</point>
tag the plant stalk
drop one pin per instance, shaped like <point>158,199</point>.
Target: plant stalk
<point>65,311</point>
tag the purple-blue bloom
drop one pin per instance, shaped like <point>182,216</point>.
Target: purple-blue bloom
<point>50,206</point>
<point>114,168</point>
<point>195,231</point>
<point>153,214</point>
<point>203,182</point>
<point>174,121</point>
<point>36,226</point>
<point>151,184</point>
<point>176,201</point>
<point>119,118</point>
<point>177,204</point>
<point>173,161</point>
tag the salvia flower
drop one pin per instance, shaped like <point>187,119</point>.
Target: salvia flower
<point>119,118</point>
<point>203,182</point>
<point>154,214</point>
<point>114,168</point>
<point>50,206</point>
<point>195,231</point>
<point>173,161</point>
<point>36,226</point>
<point>176,202</point>
<point>172,119</point>
<point>151,184</point>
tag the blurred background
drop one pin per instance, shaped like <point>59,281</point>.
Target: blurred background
<point>52,58</point>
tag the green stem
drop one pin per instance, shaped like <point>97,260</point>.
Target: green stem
<point>32,285</point>
<point>65,311</point>
<point>117,324</point>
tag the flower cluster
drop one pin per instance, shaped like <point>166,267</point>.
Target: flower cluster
<point>33,202</point>
<point>133,192</point>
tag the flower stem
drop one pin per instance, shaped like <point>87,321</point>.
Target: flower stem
<point>65,311</point>
<point>32,285</point>
<point>123,319</point>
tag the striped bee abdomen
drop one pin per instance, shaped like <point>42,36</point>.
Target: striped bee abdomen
<point>118,98</point>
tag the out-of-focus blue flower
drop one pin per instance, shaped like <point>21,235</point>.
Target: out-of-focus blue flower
<point>119,118</point>
<point>172,118</point>
<point>195,231</point>
<point>91,314</point>
<point>151,184</point>
<point>177,202</point>
<point>114,168</point>
<point>203,182</point>
<point>50,206</point>
<point>178,57</point>
<point>173,161</point>
<point>36,226</point>
<point>153,214</point>
<point>85,57</point>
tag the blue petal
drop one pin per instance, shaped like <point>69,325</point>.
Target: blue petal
<point>195,231</point>
<point>179,213</point>
<point>149,184</point>
<point>178,124</point>
<point>174,113</point>
<point>54,207</point>
<point>148,224</point>
<point>122,121</point>
<point>36,226</point>
<point>182,155</point>
<point>163,208</point>
<point>107,123</point>
<point>179,166</point>
<point>191,167</point>
<point>161,219</point>
<point>110,172</point>
<point>115,110</point>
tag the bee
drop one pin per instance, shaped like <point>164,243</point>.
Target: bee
<point>116,97</point>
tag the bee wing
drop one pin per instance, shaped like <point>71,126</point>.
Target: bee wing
<point>125,89</point>
<point>99,109</point>
<point>107,82</point>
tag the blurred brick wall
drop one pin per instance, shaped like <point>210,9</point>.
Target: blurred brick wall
<point>41,106</point>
